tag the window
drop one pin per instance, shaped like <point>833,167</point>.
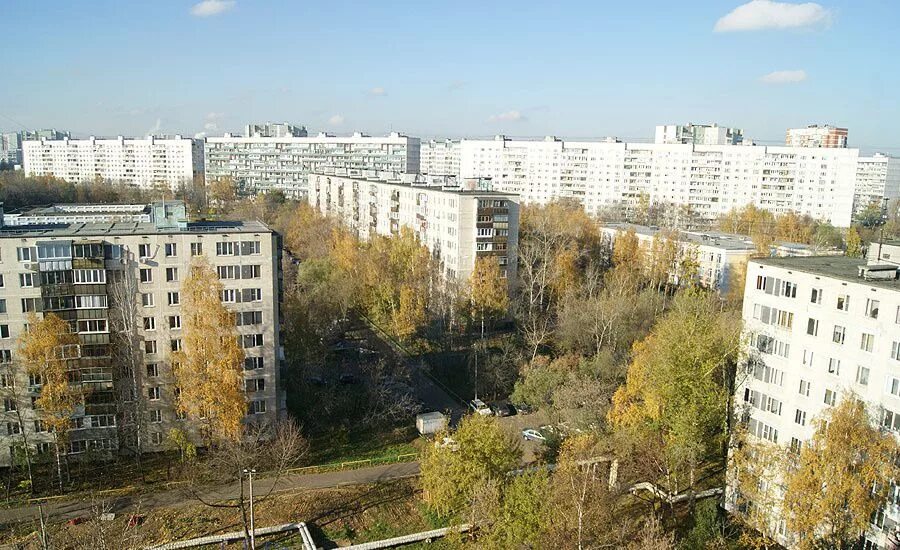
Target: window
<point>146,275</point>
<point>808,357</point>
<point>225,249</point>
<point>147,299</point>
<point>152,370</point>
<point>2,284</point>
<point>196,249</point>
<point>153,393</point>
<point>253,363</point>
<point>171,274</point>
<point>171,250</point>
<point>174,322</point>
<point>12,428</point>
<point>257,406</point>
<point>804,388</point>
<point>143,250</point>
<point>91,301</point>
<point>843,302</point>
<point>830,397</point>
<point>149,323</point>
<point>251,340</point>
<point>796,445</point>
<point>4,331</point>
<point>230,295</point>
<point>9,405</point>
<point>25,254</point>
<point>89,276</point>
<point>250,272</point>
<point>800,417</point>
<point>155,416</point>
<point>816,296</point>
<point>150,346</point>
<point>812,327</point>
<point>867,342</point>
<point>156,438</point>
<point>174,298</point>
<point>893,386</point>
<point>890,420</point>
<point>834,366</point>
<point>26,280</point>
<point>2,305</point>
<point>92,325</point>
<point>839,334</point>
<point>228,271</point>
<point>872,308</point>
<point>5,356</point>
<point>175,344</point>
<point>35,380</point>
<point>39,426</point>
<point>249,247</point>
<point>862,375</point>
<point>251,295</point>
<point>249,318</point>
<point>255,384</point>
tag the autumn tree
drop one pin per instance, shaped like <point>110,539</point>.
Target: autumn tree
<point>490,292</point>
<point>222,192</point>
<point>841,478</point>
<point>755,470</point>
<point>209,369</point>
<point>49,350</point>
<point>854,245</point>
<point>481,451</point>
<point>523,515</point>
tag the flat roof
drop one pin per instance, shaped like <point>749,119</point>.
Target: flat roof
<point>718,239</point>
<point>841,268</point>
<point>112,229</point>
<point>453,190</point>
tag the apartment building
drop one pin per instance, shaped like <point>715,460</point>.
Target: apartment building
<point>440,157</point>
<point>816,136</point>
<point>818,329</point>
<point>458,221</point>
<point>274,130</point>
<point>708,179</point>
<point>698,134</point>
<point>93,273</point>
<point>11,143</point>
<point>147,163</point>
<point>877,178</point>
<point>263,164</point>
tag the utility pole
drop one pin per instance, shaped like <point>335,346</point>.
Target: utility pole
<point>250,473</point>
<point>884,217</point>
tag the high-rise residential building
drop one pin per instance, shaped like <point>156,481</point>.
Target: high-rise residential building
<point>147,163</point>
<point>261,164</point>
<point>109,277</point>
<point>816,136</point>
<point>47,133</point>
<point>440,157</point>
<point>274,130</point>
<point>11,143</point>
<point>818,329</point>
<point>458,221</point>
<point>698,134</point>
<point>709,180</point>
<point>877,178</point>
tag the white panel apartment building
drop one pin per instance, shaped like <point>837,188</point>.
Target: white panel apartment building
<point>74,270</point>
<point>148,163</point>
<point>262,164</point>
<point>820,331</point>
<point>440,157</point>
<point>698,134</point>
<point>456,223</point>
<point>710,179</point>
<point>877,177</point>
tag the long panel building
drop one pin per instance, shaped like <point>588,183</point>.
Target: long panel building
<point>148,163</point>
<point>709,179</point>
<point>262,164</point>
<point>95,274</point>
<point>457,221</point>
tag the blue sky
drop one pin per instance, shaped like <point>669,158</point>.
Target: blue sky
<point>457,68</point>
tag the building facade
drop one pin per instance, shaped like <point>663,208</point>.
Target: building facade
<point>260,165</point>
<point>274,130</point>
<point>458,222</point>
<point>11,143</point>
<point>709,180</point>
<point>818,329</point>
<point>877,178</point>
<point>440,157</point>
<point>816,136</point>
<point>105,277</point>
<point>147,163</point>
<point>698,134</point>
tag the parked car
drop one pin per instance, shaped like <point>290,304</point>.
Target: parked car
<point>479,407</point>
<point>317,381</point>
<point>502,409</point>
<point>347,379</point>
<point>533,435</point>
<point>522,408</point>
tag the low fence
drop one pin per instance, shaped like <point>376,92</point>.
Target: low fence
<point>240,535</point>
<point>425,536</point>
<point>353,464</point>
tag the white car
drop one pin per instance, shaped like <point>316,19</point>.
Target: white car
<point>480,407</point>
<point>533,435</point>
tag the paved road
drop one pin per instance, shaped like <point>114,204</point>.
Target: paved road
<point>62,510</point>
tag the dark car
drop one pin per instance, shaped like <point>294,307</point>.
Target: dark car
<point>347,379</point>
<point>522,408</point>
<point>502,409</point>
<point>317,381</point>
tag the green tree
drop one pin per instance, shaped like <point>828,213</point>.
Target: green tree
<point>524,514</point>
<point>481,451</point>
<point>841,478</point>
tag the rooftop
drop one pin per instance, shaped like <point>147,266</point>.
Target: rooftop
<point>727,241</point>
<point>130,228</point>
<point>841,268</point>
<point>445,184</point>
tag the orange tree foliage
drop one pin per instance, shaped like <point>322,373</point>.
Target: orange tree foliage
<point>490,292</point>
<point>209,368</point>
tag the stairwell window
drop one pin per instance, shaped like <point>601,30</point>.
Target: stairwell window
<point>867,342</point>
<point>862,375</point>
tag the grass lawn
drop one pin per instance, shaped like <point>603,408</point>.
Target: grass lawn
<point>346,445</point>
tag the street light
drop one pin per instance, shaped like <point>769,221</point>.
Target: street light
<point>250,473</point>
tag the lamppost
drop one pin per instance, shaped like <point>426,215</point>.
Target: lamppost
<point>250,473</point>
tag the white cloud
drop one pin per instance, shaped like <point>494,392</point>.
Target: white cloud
<point>508,116</point>
<point>784,77</point>
<point>211,126</point>
<point>156,127</point>
<point>758,15</point>
<point>207,8</point>
<point>377,91</point>
<point>213,116</point>
<point>336,120</point>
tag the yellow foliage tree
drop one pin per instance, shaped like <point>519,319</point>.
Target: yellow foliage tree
<point>209,368</point>
<point>841,478</point>
<point>490,293</point>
